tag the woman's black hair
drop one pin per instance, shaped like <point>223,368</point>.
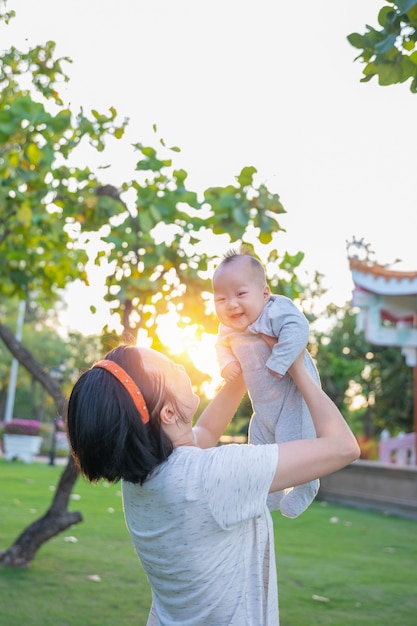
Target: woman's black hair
<point>107,435</point>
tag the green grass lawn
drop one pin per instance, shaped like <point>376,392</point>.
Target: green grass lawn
<point>364,564</point>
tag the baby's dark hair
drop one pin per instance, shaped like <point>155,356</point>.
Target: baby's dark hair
<point>108,439</point>
<point>244,250</point>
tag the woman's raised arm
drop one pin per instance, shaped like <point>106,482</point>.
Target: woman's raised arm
<point>216,416</point>
<point>335,446</point>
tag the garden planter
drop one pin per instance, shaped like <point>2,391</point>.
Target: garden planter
<point>23,447</point>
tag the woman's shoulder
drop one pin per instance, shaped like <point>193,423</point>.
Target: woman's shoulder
<point>241,454</point>
<point>221,459</point>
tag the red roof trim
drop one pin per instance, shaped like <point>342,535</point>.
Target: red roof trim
<point>379,270</point>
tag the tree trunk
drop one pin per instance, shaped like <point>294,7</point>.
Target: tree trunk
<point>368,423</point>
<point>57,518</point>
<point>34,368</point>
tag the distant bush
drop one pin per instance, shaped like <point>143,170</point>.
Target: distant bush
<point>18,426</point>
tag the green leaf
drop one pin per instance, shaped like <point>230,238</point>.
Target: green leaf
<point>33,153</point>
<point>119,132</point>
<point>356,40</point>
<point>408,45</point>
<point>180,176</point>
<point>412,17</point>
<point>265,237</point>
<point>60,122</point>
<point>156,215</point>
<point>389,74</point>
<point>148,152</point>
<point>146,222</point>
<point>245,177</point>
<point>386,44</point>
<point>190,198</point>
<point>7,124</point>
<point>24,214</point>
<point>370,70</point>
<point>405,5</point>
<point>240,216</point>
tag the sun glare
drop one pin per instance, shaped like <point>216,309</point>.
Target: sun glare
<point>201,351</point>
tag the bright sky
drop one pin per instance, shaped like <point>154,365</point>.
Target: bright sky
<point>269,83</point>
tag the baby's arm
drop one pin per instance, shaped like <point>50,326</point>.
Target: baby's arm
<point>290,327</point>
<point>229,366</point>
<point>271,341</point>
<point>231,371</point>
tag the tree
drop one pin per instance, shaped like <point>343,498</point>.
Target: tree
<point>167,238</point>
<point>390,52</point>
<point>50,210</point>
<point>351,369</point>
<point>44,204</point>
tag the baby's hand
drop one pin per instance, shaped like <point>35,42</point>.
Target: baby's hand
<point>231,371</point>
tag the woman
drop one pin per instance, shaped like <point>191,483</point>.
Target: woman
<point>196,513</point>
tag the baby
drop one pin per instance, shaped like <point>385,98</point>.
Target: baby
<point>261,335</point>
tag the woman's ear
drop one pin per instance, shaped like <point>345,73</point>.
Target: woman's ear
<point>167,414</point>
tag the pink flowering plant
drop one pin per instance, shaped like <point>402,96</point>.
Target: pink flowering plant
<point>60,425</point>
<point>19,426</point>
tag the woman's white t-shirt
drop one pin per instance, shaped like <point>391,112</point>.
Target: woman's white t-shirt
<point>204,535</point>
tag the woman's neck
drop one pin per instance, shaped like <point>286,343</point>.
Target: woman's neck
<point>187,439</point>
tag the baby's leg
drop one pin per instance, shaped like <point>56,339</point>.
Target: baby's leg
<point>295,423</point>
<point>260,434</point>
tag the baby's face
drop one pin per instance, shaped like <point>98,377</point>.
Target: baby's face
<point>239,294</point>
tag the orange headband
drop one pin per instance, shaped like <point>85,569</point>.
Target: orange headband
<point>128,384</point>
